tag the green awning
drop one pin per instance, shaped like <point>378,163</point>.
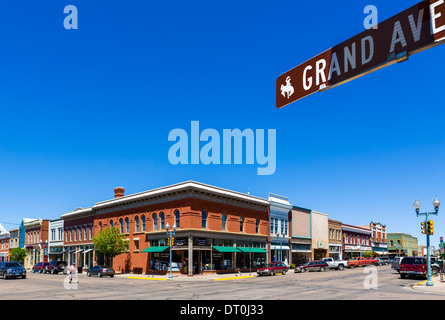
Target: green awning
<point>252,250</point>
<point>155,249</point>
<point>226,249</point>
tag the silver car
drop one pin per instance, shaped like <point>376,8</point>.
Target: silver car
<point>395,263</point>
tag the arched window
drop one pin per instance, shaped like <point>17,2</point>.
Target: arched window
<point>111,224</point>
<point>143,222</point>
<point>224,222</point>
<point>204,220</point>
<point>127,225</point>
<point>100,226</point>
<point>257,226</point>
<point>241,224</point>
<point>177,219</point>
<point>161,217</point>
<point>137,223</point>
<point>121,225</point>
<point>155,222</point>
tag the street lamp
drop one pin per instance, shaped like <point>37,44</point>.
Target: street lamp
<point>171,234</point>
<point>436,204</point>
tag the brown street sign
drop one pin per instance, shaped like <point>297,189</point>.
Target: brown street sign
<point>416,29</point>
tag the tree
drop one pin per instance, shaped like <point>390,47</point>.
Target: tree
<point>368,254</point>
<point>17,254</point>
<point>110,242</point>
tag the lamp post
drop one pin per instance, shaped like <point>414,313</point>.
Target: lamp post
<point>436,204</point>
<point>170,234</point>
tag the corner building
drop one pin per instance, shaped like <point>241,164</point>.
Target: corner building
<point>217,230</point>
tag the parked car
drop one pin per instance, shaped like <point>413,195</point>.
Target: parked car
<point>55,267</point>
<point>100,271</point>
<point>395,263</point>
<point>273,268</point>
<point>335,264</point>
<point>413,266</point>
<point>317,265</point>
<point>12,269</point>
<point>436,266</point>
<point>259,262</point>
<point>39,267</point>
<point>385,260</point>
<point>362,261</point>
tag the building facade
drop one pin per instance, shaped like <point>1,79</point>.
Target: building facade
<point>78,245</point>
<point>301,239</point>
<point>4,244</point>
<point>279,228</point>
<point>55,242</point>
<point>35,241</point>
<point>217,230</point>
<point>378,237</point>
<point>320,235</point>
<point>335,239</point>
<point>402,244</point>
<point>356,241</point>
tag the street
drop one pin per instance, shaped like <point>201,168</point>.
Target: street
<point>382,283</point>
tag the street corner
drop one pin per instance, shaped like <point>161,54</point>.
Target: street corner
<point>438,286</point>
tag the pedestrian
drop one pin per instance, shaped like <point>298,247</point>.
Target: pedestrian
<point>73,273</point>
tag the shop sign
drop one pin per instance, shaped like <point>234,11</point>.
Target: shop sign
<point>416,29</point>
<point>179,242</point>
<point>201,242</point>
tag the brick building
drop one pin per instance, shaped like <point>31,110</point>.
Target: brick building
<point>78,237</point>
<point>217,230</point>
<point>35,241</point>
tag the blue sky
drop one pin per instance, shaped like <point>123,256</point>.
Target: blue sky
<point>86,110</point>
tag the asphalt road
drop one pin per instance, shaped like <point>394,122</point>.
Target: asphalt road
<point>379,283</point>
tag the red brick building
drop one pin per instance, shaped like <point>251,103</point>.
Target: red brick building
<point>218,230</point>
<point>78,237</point>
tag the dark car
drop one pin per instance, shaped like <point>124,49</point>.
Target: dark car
<point>318,265</point>
<point>12,269</point>
<point>413,266</point>
<point>273,268</point>
<point>39,267</point>
<point>55,267</point>
<point>100,271</point>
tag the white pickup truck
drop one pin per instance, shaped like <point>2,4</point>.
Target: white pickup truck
<point>336,264</point>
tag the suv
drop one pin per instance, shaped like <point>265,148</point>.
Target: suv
<point>413,266</point>
<point>39,267</point>
<point>55,267</point>
<point>318,265</point>
<point>273,268</point>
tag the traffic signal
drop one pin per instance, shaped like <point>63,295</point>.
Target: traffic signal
<point>430,227</point>
<point>424,227</point>
<point>173,241</point>
<point>168,241</point>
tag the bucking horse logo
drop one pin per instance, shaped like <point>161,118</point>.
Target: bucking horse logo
<point>287,89</point>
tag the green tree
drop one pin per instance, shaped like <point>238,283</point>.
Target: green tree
<point>17,254</point>
<point>368,254</point>
<point>110,242</point>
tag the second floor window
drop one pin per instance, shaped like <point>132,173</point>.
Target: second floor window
<point>204,219</point>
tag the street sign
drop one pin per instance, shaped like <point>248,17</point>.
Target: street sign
<point>414,30</point>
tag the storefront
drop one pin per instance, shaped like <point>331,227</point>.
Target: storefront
<point>198,255</point>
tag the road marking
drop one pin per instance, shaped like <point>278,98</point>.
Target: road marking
<point>146,278</point>
<point>233,278</point>
<point>421,283</point>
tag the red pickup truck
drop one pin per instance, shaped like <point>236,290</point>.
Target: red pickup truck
<point>362,261</point>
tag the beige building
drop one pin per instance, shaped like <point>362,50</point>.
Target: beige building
<point>301,243</point>
<point>320,235</point>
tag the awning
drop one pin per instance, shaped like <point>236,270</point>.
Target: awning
<point>252,250</point>
<point>88,250</point>
<point>79,251</point>
<point>226,249</point>
<point>155,249</point>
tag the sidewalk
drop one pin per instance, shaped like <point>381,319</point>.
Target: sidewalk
<point>182,277</point>
<point>439,286</point>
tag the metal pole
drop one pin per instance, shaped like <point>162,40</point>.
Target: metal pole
<point>170,233</point>
<point>429,282</point>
